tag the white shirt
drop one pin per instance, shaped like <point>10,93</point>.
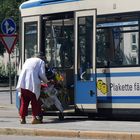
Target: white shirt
<point>32,73</point>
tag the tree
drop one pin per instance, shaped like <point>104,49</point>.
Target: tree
<point>9,9</point>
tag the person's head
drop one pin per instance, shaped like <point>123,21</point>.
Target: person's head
<point>41,56</point>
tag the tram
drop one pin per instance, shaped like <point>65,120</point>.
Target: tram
<point>94,44</point>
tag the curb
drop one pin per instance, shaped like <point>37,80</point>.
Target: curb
<point>109,135</point>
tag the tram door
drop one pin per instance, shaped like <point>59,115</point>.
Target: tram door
<point>85,68</point>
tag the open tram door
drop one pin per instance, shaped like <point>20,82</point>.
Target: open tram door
<point>85,62</point>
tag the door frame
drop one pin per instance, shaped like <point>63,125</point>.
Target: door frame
<point>30,20</point>
<point>86,106</point>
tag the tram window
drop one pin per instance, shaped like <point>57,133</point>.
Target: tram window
<point>116,45</point>
<point>59,42</point>
<point>134,42</point>
<point>30,39</point>
<point>85,35</point>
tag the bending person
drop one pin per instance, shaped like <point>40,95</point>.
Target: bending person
<point>29,82</point>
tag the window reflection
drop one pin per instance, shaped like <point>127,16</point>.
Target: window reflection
<point>117,45</point>
<point>30,39</point>
<point>59,42</point>
<point>85,47</point>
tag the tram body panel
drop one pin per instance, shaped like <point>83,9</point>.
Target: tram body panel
<point>118,90</point>
<point>114,87</point>
<point>31,8</point>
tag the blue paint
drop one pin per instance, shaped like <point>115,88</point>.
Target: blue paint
<point>118,99</point>
<point>38,3</point>
<point>121,74</point>
<point>8,26</point>
<point>17,100</point>
<point>83,95</point>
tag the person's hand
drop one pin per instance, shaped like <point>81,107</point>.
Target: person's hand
<point>51,81</point>
<point>19,94</point>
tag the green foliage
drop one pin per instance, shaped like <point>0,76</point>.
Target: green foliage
<point>4,71</point>
<point>13,70</point>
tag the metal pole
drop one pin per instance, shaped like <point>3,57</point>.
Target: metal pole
<point>10,83</point>
<point>16,68</point>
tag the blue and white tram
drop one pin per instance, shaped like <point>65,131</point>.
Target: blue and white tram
<point>95,44</point>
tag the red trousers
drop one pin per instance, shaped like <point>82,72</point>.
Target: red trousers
<point>27,97</point>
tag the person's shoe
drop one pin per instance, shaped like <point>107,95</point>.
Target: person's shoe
<point>36,121</point>
<point>61,116</point>
<point>40,118</point>
<point>22,121</point>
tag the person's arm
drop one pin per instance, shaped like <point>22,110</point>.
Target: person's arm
<point>42,74</point>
